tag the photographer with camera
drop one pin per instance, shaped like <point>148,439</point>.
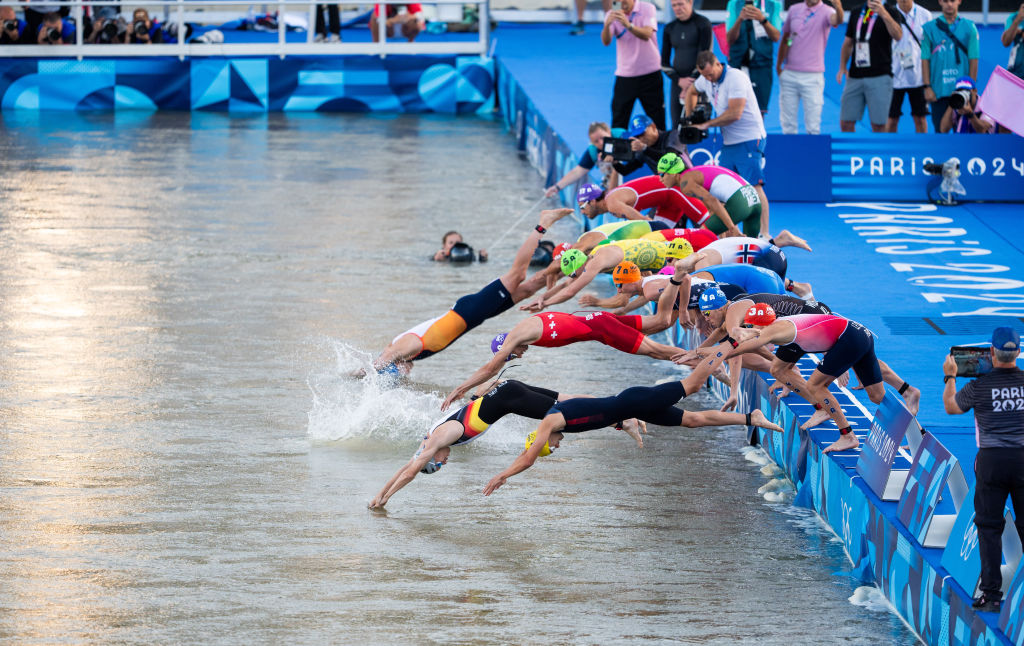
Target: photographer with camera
<point>999,466</point>
<point>55,31</point>
<point>108,28</point>
<point>743,133</point>
<point>12,30</point>
<point>961,115</point>
<point>647,144</point>
<point>143,29</point>
<point>594,155</point>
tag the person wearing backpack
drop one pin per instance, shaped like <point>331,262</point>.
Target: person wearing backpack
<point>949,51</point>
<point>1013,38</point>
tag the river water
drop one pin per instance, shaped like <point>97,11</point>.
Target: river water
<point>183,458</point>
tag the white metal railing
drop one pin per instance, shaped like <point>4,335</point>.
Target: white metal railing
<point>281,47</point>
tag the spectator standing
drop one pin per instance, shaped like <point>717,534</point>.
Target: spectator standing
<point>949,50</point>
<point>144,30</point>
<point>329,30</point>
<point>906,67</point>
<point>591,157</point>
<point>1013,38</point>
<point>743,133</point>
<point>966,118</point>
<point>802,58</point>
<point>581,6</point>
<point>634,29</point>
<point>999,465</point>
<point>754,27</point>
<point>410,21</point>
<point>12,29</point>
<point>868,48</point>
<point>55,31</point>
<point>682,40</point>
<point>649,145</point>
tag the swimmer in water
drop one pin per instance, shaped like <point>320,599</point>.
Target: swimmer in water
<point>436,334</point>
<point>654,405</point>
<point>465,425</point>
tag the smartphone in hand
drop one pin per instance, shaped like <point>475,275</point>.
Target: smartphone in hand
<point>617,6</point>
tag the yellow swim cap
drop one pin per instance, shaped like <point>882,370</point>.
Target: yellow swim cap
<point>544,452</point>
<point>679,248</point>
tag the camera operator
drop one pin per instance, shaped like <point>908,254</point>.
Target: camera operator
<point>143,29</point>
<point>107,28</point>
<point>648,144</point>
<point>55,31</point>
<point>961,116</point>
<point>12,30</point>
<point>999,465</point>
<point>743,133</point>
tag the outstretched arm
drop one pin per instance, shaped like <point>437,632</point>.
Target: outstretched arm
<point>441,437</point>
<point>591,300</point>
<point>712,203</point>
<point>530,455</point>
<point>620,209</point>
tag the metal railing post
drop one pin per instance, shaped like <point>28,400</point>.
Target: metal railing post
<point>280,28</point>
<point>79,32</point>
<point>484,16</point>
<point>311,29</point>
<point>182,31</point>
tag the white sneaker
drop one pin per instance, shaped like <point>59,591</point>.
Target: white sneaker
<point>334,38</point>
<point>319,38</point>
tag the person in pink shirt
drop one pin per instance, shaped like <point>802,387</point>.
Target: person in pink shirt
<point>633,26</point>
<point>802,58</point>
<point>846,345</point>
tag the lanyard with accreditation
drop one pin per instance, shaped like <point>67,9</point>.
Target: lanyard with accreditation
<point>862,51</point>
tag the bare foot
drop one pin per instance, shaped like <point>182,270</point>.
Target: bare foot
<point>633,427</point>
<point>913,399</point>
<point>550,216</point>
<point>758,418</point>
<point>688,263</point>
<point>787,239</point>
<point>818,417</point>
<point>803,290</point>
<point>844,443</point>
<point>784,390</point>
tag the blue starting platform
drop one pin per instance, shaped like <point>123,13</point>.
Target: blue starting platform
<point>922,277</point>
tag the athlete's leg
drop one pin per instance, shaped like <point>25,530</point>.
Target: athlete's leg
<point>657,350</point>
<point>910,394</point>
<point>787,239</point>
<point>696,419</point>
<point>762,221</point>
<point>402,349</point>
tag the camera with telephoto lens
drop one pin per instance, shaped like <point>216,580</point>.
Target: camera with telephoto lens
<point>108,32</point>
<point>701,113</point>
<point>140,28</point>
<point>621,150</point>
<point>53,35</point>
<point>959,99</point>
<point>10,25</point>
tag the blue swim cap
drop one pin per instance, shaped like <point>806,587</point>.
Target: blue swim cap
<point>712,298</point>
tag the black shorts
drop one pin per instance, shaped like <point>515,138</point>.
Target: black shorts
<point>490,301</point>
<point>772,259</point>
<point>855,348</point>
<point>918,106</point>
<point>655,404</point>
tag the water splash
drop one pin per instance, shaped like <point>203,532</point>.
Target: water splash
<point>870,597</point>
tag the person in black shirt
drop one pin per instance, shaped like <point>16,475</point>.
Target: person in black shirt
<point>650,144</point>
<point>998,402</point>
<point>868,47</point>
<point>685,37</point>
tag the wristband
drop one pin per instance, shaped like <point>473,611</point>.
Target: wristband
<point>947,378</point>
<point>730,340</point>
<point>674,281</point>
<point>764,22</point>
<point>541,230</point>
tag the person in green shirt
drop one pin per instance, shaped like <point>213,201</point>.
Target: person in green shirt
<point>754,28</point>
<point>949,50</point>
<point>1013,38</point>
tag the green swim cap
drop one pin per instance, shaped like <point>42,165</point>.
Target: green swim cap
<point>572,260</point>
<point>671,163</point>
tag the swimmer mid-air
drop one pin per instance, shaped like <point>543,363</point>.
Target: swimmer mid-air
<point>654,405</point>
<point>436,334</point>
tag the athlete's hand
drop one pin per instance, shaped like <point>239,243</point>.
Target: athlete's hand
<point>732,232</point>
<point>534,307</point>
<point>452,396</point>
<point>493,485</point>
<point>550,192</point>
<point>588,300</point>
<point>729,403</point>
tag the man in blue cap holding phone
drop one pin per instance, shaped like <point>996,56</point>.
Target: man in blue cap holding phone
<point>997,398</point>
<point>649,143</point>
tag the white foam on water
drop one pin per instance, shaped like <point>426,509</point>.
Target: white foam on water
<point>870,597</point>
<point>771,470</point>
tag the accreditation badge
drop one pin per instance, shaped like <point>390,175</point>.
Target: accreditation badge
<point>862,54</point>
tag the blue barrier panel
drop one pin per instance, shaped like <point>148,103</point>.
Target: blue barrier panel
<point>1011,619</point>
<point>932,466</point>
<point>887,430</point>
<point>795,168</point>
<point>960,558</point>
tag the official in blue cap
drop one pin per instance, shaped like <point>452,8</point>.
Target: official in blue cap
<point>997,398</point>
<point>649,144</point>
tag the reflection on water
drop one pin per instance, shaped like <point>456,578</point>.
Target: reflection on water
<point>184,459</point>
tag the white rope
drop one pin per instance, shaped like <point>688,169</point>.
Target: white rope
<point>516,223</point>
